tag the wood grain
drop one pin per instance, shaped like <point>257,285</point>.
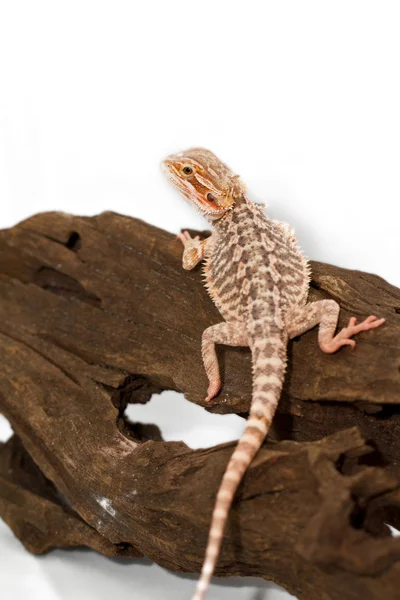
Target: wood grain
<point>96,313</point>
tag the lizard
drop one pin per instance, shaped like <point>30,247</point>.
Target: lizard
<point>258,278</point>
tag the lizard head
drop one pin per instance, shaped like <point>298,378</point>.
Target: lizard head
<point>205,181</point>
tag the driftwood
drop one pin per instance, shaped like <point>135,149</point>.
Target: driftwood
<point>96,313</point>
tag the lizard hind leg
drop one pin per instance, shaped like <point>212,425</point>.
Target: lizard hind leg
<point>326,314</point>
<point>230,334</point>
<point>343,338</point>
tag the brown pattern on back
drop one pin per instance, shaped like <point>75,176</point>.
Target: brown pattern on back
<point>251,255</point>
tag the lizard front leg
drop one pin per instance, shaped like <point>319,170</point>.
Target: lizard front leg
<point>194,250</point>
<point>326,314</point>
<point>230,334</point>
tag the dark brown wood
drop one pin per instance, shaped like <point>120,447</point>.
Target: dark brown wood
<point>38,514</point>
<point>96,313</point>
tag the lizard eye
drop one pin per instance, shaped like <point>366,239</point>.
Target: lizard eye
<point>187,170</point>
<point>210,197</point>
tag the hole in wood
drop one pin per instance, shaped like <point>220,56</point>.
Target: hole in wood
<point>181,420</point>
<point>134,389</point>
<point>63,285</point>
<point>5,429</point>
<point>389,411</point>
<point>357,516</point>
<point>74,241</point>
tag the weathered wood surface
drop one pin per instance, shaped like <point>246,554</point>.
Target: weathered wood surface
<point>95,313</point>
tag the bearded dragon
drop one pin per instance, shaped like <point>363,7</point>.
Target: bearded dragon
<point>259,280</point>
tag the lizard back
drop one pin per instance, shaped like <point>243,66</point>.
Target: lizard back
<point>253,258</point>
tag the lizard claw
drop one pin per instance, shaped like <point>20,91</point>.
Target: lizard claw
<point>185,237</point>
<point>181,236</point>
<point>343,337</point>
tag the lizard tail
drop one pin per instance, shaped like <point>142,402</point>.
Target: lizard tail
<point>269,364</point>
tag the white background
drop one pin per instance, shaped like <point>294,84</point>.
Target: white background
<point>301,98</point>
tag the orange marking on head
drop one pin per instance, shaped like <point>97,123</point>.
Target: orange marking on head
<point>204,180</point>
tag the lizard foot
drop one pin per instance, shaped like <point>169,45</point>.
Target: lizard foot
<point>213,390</point>
<point>185,238</point>
<point>343,337</point>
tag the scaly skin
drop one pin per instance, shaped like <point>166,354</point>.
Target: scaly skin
<point>259,281</point>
